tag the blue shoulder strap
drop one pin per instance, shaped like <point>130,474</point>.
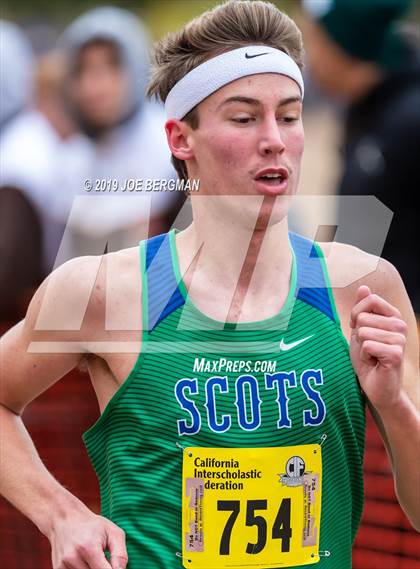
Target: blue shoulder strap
<point>163,294</point>
<point>311,285</point>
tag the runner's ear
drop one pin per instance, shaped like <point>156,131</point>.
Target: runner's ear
<point>177,134</point>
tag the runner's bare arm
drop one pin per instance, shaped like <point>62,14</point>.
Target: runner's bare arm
<point>385,354</point>
<point>74,531</point>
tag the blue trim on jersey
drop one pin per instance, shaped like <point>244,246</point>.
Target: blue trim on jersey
<point>163,294</point>
<point>311,286</point>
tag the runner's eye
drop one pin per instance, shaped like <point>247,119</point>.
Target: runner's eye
<point>242,120</point>
<point>289,119</point>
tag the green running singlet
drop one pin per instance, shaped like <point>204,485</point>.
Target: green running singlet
<point>286,380</point>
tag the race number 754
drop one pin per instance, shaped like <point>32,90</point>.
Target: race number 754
<point>280,530</point>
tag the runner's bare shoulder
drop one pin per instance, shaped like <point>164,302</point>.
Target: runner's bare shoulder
<point>83,293</point>
<point>68,312</point>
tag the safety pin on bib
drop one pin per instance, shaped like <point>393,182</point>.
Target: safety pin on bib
<point>178,554</point>
<point>178,445</point>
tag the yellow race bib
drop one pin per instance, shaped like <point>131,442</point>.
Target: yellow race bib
<point>251,507</point>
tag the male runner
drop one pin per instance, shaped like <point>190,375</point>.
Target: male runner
<point>235,438</point>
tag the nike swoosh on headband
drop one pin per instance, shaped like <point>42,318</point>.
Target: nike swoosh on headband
<point>285,347</point>
<point>247,56</point>
<point>195,86</point>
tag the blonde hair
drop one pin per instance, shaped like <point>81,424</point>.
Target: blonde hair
<point>233,24</point>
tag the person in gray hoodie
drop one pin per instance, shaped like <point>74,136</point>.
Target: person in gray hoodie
<point>122,142</point>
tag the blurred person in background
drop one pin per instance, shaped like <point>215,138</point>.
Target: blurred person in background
<point>34,126</point>
<point>359,54</point>
<point>21,193</point>
<point>122,136</point>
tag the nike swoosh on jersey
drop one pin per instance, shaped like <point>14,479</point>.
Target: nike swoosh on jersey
<point>247,56</point>
<point>285,347</point>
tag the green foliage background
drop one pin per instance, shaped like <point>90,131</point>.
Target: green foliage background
<point>161,16</point>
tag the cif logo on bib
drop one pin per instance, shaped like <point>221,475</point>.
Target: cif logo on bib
<point>295,469</point>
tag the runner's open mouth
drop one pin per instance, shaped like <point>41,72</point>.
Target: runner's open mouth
<point>272,179</point>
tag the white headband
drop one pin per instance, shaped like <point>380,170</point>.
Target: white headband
<point>214,73</point>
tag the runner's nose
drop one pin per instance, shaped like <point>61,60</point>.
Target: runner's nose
<point>271,141</point>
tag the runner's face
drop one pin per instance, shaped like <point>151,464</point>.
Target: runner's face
<point>250,140</point>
